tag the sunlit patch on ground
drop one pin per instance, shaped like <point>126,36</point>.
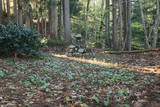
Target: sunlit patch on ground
<point>90,61</point>
<point>147,69</point>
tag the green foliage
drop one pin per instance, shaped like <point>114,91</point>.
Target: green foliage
<point>106,102</point>
<point>95,99</point>
<point>2,74</point>
<point>80,97</point>
<point>15,39</point>
<point>68,99</point>
<point>126,105</point>
<point>137,46</point>
<point>123,93</point>
<point>91,29</point>
<point>75,7</point>
<point>100,85</point>
<point>73,85</point>
<point>149,9</point>
<point>34,82</point>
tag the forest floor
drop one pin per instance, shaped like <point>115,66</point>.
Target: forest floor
<point>105,80</point>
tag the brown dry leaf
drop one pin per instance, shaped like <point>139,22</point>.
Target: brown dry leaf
<point>138,104</point>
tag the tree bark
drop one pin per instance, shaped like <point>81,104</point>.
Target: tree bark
<point>45,27</point>
<point>124,15</point>
<point>102,17</point>
<point>107,23</point>
<point>1,12</point>
<point>53,19</point>
<point>128,34</point>
<point>157,23</point>
<point>20,13</point>
<point>147,45</point>
<point>86,19</point>
<point>120,23</point>
<point>60,21</point>
<point>8,9</point>
<point>38,25</point>
<point>4,6</point>
<point>15,10</point>
<point>28,15</point>
<point>67,22</point>
<point>28,22</point>
<point>114,25</point>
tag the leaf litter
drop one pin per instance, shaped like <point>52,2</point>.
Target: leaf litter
<point>62,82</point>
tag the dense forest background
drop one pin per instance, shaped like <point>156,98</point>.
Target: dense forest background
<point>108,24</point>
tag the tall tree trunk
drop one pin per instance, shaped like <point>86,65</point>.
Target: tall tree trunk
<point>86,19</point>
<point>20,13</point>
<point>107,23</point>
<point>28,22</point>
<point>120,23</point>
<point>15,10</point>
<point>67,22</point>
<point>28,15</point>
<point>147,45</point>
<point>124,15</point>
<point>1,12</point>
<point>114,25</point>
<point>38,25</point>
<point>45,27</point>
<point>8,9</point>
<point>4,6</point>
<point>60,21</point>
<point>128,34</point>
<point>157,23</point>
<point>101,22</point>
<point>53,19</point>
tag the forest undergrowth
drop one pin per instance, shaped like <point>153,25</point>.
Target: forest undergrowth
<point>105,80</point>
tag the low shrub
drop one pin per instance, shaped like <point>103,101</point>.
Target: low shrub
<point>15,39</point>
<point>137,46</point>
